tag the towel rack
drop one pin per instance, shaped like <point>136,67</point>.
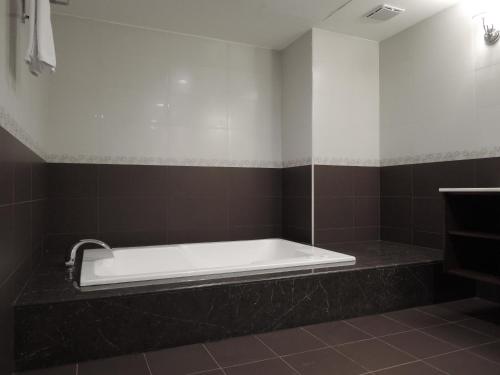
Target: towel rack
<point>25,16</point>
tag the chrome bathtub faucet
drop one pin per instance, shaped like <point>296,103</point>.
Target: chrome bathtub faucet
<point>74,249</point>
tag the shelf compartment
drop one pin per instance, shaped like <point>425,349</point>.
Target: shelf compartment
<point>475,234</point>
<point>475,275</point>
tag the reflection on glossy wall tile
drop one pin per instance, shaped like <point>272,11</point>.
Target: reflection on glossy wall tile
<point>130,95</point>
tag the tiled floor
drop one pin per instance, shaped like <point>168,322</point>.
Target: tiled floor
<point>456,338</point>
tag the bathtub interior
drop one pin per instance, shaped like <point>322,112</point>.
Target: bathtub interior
<point>189,261</point>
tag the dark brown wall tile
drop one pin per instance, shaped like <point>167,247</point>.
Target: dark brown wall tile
<point>366,212</point>
<point>334,235</point>
<point>197,212</point>
<point>297,204</point>
<point>428,214</point>
<point>7,253</point>
<point>396,212</point>
<point>302,235</point>
<point>333,212</point>
<point>188,181</point>
<point>333,181</point>
<point>132,214</point>
<point>488,172</point>
<point>429,177</point>
<point>22,181</point>
<point>199,234</point>
<point>255,182</point>
<point>396,234</point>
<point>396,181</point>
<point>253,212</point>
<point>73,180</point>
<point>366,181</point>
<point>239,233</point>
<point>297,181</point>
<point>297,212</point>
<point>39,180</point>
<point>132,180</point>
<point>6,167</point>
<point>426,239</point>
<point>367,233</point>
<point>73,215</point>
<point>38,224</point>
<point>128,239</point>
<point>22,232</point>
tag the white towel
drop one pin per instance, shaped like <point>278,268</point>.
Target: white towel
<point>41,52</point>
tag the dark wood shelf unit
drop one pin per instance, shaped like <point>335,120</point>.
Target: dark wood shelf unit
<point>484,277</point>
<point>475,234</point>
<point>472,228</point>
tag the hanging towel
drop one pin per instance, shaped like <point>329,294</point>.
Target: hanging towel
<point>41,53</point>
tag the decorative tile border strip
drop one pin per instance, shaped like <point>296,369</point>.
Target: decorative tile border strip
<point>351,162</point>
<point>297,163</point>
<point>132,160</point>
<point>486,152</point>
<point>11,125</point>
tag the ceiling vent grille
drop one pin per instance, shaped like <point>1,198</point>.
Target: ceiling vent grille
<point>384,12</point>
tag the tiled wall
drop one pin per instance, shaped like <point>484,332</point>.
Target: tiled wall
<point>22,205</point>
<point>146,205</point>
<point>194,101</point>
<point>297,202</point>
<point>346,204</point>
<point>412,209</point>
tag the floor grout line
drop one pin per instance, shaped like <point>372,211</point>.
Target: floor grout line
<point>275,353</point>
<point>147,363</point>
<point>336,351</point>
<point>213,358</point>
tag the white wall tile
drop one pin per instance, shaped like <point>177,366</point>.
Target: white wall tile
<point>135,93</point>
<point>439,90</point>
<point>345,98</point>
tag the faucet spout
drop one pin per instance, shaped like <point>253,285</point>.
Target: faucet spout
<point>74,249</point>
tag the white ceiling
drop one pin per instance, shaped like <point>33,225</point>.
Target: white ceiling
<point>266,23</point>
<point>350,19</point>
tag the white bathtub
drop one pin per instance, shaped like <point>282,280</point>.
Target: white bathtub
<point>202,261</point>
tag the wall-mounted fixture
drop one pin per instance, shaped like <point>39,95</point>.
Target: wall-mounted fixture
<point>384,12</point>
<point>24,14</point>
<point>491,35</point>
<point>487,10</point>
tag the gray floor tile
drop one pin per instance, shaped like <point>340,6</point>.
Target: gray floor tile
<point>271,367</point>
<point>374,354</point>
<point>419,344</point>
<point>378,325</point>
<point>323,362</point>
<point>458,335</point>
<point>290,341</point>
<point>465,363</point>
<point>336,333</point>
<point>239,350</point>
<point>181,360</point>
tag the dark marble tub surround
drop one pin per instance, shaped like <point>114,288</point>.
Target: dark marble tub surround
<point>50,282</point>
<point>346,204</point>
<point>128,205</point>
<point>297,203</point>
<point>412,209</point>
<point>22,209</point>
<point>82,326</point>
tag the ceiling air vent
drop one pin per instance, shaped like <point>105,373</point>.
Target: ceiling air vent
<point>384,12</point>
